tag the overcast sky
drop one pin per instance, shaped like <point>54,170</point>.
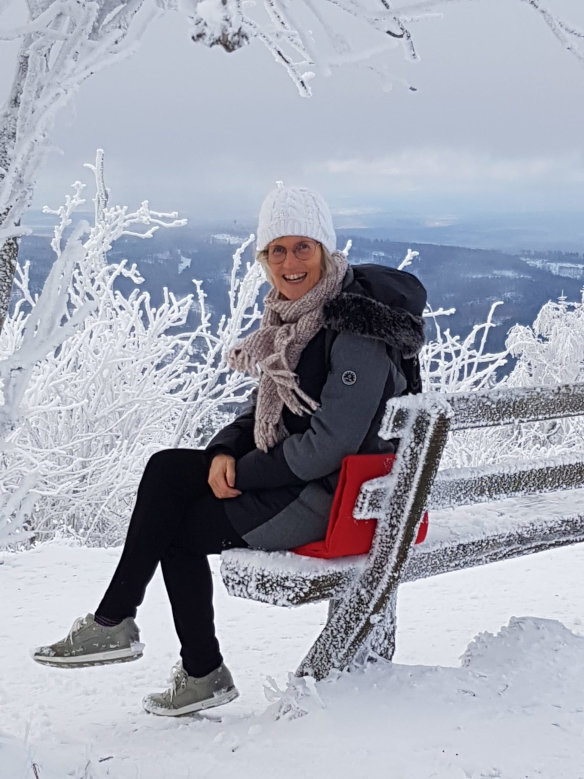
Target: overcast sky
<point>496,123</point>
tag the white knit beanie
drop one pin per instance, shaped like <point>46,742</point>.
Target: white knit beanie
<point>295,211</point>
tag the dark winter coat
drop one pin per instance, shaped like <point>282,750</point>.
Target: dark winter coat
<point>351,367</point>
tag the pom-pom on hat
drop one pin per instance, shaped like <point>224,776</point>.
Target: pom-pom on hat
<point>295,211</point>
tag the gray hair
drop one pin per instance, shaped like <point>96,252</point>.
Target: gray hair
<point>327,262</point>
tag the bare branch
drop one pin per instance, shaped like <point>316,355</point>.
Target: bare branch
<point>562,31</point>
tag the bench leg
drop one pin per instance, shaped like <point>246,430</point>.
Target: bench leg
<point>362,624</point>
<point>379,641</point>
<point>382,638</point>
<point>332,607</point>
<point>347,637</point>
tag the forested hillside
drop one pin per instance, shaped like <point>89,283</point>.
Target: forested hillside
<point>466,279</point>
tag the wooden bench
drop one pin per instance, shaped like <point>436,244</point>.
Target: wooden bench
<point>477,516</point>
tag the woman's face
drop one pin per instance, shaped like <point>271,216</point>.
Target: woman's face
<point>295,264</point>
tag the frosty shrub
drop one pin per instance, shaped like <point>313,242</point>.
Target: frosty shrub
<point>551,351</point>
<point>450,363</point>
<point>93,381</point>
<point>548,353</point>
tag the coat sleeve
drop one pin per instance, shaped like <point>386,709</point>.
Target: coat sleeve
<point>349,400</point>
<point>236,438</point>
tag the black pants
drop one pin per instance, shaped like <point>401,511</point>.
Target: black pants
<point>176,521</point>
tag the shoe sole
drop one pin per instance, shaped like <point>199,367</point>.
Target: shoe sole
<point>193,708</point>
<point>86,661</point>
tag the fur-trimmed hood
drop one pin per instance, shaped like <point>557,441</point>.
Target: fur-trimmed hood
<point>356,311</point>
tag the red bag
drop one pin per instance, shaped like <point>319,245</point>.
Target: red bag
<point>345,535</point>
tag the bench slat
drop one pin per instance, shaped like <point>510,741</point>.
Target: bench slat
<point>285,579</point>
<point>468,486</point>
<point>491,549</point>
<point>510,406</point>
<point>458,538</point>
<point>482,486</point>
<point>493,407</point>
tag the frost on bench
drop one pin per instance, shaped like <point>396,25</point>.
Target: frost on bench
<point>284,578</point>
<point>471,535</point>
<point>478,515</point>
<point>362,618</point>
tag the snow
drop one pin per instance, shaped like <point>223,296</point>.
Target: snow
<point>232,240</point>
<point>274,562</point>
<point>184,263</point>
<point>528,513</point>
<point>512,708</point>
<point>570,269</point>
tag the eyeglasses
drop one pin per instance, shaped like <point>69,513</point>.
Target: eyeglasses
<point>303,250</point>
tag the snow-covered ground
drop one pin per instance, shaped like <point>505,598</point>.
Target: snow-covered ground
<point>513,708</point>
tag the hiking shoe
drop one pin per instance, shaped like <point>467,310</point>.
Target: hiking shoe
<point>188,694</point>
<point>91,644</point>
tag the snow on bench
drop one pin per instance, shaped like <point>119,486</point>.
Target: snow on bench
<point>477,516</point>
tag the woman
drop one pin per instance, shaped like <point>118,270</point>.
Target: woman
<point>266,480</point>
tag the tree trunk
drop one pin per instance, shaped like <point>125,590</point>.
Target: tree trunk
<point>8,254</point>
<point>9,212</point>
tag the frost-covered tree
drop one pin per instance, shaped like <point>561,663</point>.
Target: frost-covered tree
<point>551,351</point>
<point>548,353</point>
<point>94,381</point>
<point>63,42</point>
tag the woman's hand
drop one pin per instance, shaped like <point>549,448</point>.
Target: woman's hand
<point>222,476</point>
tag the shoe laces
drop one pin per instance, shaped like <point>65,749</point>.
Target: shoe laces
<point>79,623</point>
<point>178,679</point>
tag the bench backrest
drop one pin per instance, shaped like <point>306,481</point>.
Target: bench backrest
<point>362,592</point>
<point>397,501</point>
<point>467,486</point>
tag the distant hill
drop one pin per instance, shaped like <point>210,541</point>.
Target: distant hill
<point>464,278</point>
<point>470,280</point>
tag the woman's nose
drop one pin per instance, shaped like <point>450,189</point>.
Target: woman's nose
<point>290,260</point>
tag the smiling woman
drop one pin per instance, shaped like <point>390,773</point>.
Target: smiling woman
<point>327,357</point>
<point>295,240</point>
<point>295,265</point>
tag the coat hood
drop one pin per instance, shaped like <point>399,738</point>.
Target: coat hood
<point>381,303</point>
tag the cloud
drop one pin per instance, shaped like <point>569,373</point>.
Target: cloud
<point>357,211</point>
<point>451,170</point>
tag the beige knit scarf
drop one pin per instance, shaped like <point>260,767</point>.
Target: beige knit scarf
<point>273,352</point>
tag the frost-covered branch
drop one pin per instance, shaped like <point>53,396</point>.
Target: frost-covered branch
<point>303,35</point>
<point>408,259</point>
<point>212,381</point>
<point>450,363</point>
<point>93,381</point>
<point>306,36</point>
<point>571,38</point>
<point>62,43</point>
